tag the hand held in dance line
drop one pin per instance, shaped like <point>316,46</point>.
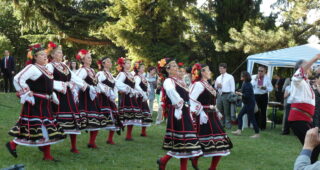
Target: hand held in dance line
<point>93,93</point>
<point>178,113</point>
<point>239,93</point>
<point>203,118</point>
<point>30,94</point>
<point>55,99</point>
<point>27,97</point>
<point>312,139</point>
<point>212,107</point>
<point>219,114</point>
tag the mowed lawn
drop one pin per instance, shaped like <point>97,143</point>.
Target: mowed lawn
<point>270,152</point>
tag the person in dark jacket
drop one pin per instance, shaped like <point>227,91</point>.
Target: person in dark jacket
<point>7,71</point>
<point>249,104</point>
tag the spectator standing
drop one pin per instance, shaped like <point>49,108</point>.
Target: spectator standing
<point>226,87</point>
<point>248,104</point>
<point>7,71</point>
<point>152,80</point>
<point>261,86</point>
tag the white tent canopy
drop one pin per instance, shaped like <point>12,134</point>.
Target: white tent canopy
<point>286,57</point>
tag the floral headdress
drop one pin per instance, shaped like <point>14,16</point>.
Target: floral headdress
<point>162,65</point>
<point>99,63</point>
<point>196,72</point>
<point>81,54</point>
<point>33,50</point>
<point>121,61</point>
<point>52,46</point>
<point>137,65</point>
<point>180,64</point>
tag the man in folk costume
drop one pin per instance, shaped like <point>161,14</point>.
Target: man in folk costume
<point>213,139</point>
<point>107,104</point>
<point>65,81</point>
<point>91,118</point>
<point>142,86</point>
<point>36,125</point>
<point>302,101</point>
<point>181,138</point>
<point>129,110</point>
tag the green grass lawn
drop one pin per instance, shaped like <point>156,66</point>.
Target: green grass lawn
<point>270,152</point>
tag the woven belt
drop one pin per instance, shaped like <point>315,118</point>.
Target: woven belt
<point>299,110</point>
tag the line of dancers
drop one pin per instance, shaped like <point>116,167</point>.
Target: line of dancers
<point>193,126</point>
<point>57,102</point>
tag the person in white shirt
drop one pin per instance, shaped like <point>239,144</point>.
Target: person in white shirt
<point>261,87</point>
<point>302,100</point>
<point>225,86</point>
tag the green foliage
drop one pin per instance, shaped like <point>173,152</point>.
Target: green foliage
<point>5,44</point>
<point>253,39</point>
<point>148,28</point>
<point>256,36</point>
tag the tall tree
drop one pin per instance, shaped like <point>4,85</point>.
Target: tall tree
<point>294,28</point>
<point>214,19</point>
<point>149,28</point>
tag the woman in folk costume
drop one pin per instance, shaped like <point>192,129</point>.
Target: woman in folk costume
<point>107,104</point>
<point>66,113</point>
<point>36,125</point>
<point>129,110</point>
<point>181,138</point>
<point>142,86</point>
<point>91,117</point>
<point>213,139</point>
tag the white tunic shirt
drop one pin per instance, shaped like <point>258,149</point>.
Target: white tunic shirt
<point>103,88</point>
<point>266,82</point>
<point>60,86</point>
<point>301,91</point>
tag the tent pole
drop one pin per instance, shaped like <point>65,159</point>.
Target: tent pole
<point>238,67</point>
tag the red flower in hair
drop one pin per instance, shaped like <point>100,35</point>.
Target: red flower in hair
<point>37,46</point>
<point>78,57</point>
<point>196,72</point>
<point>121,61</point>
<point>52,45</point>
<point>83,51</point>
<point>99,62</point>
<point>198,66</point>
<point>180,64</point>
